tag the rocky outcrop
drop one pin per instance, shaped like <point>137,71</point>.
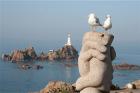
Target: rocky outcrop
<point>133,85</point>
<point>53,55</point>
<point>68,52</point>
<point>126,66</point>
<point>137,83</point>
<point>58,87</point>
<point>6,57</point>
<point>95,63</point>
<point>42,57</point>
<point>63,87</point>
<point>30,53</point>
<point>17,55</point>
<point>21,55</point>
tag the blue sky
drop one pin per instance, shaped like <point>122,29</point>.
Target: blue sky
<point>45,24</point>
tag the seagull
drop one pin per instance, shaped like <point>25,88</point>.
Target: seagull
<point>107,24</point>
<point>93,21</point>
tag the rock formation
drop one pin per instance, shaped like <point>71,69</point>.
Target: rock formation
<point>126,66</point>
<point>58,87</point>
<point>17,55</point>
<point>42,57</point>
<point>53,55</point>
<point>133,85</point>
<point>6,57</point>
<point>95,63</point>
<point>21,55</point>
<point>68,52</point>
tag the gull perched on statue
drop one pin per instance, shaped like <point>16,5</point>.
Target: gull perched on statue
<point>107,24</point>
<point>93,21</point>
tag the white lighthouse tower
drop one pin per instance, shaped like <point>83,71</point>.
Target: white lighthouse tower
<point>68,40</point>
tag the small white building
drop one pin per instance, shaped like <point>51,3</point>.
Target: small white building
<point>51,50</point>
<point>68,40</point>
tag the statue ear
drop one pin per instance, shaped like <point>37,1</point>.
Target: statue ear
<point>112,53</point>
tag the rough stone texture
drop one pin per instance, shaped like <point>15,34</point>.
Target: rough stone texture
<point>95,63</point>
<point>58,87</point>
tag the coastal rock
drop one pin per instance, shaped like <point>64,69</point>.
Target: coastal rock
<point>137,83</point>
<point>114,87</point>
<point>67,52</point>
<point>42,57</point>
<point>52,55</point>
<point>95,63</point>
<point>58,87</point>
<point>133,85</point>
<point>126,66</point>
<point>6,57</point>
<point>23,55</point>
<point>30,52</point>
<point>130,86</point>
<point>17,56</point>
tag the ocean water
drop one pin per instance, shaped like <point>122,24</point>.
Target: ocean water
<point>13,79</point>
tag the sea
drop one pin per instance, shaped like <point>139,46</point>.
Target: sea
<point>13,79</point>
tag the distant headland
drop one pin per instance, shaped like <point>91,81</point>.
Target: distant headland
<point>67,52</point>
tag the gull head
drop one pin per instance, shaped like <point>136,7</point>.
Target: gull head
<point>108,16</point>
<point>91,15</point>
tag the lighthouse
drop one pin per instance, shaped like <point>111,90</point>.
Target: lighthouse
<point>68,40</point>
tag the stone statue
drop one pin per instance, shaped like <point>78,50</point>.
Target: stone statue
<point>95,63</point>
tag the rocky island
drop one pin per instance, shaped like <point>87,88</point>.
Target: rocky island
<point>67,52</point>
<point>125,66</point>
<point>27,54</point>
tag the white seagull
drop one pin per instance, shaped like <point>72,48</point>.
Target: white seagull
<point>107,24</point>
<point>93,21</point>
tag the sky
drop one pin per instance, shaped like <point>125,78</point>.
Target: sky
<point>44,24</point>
